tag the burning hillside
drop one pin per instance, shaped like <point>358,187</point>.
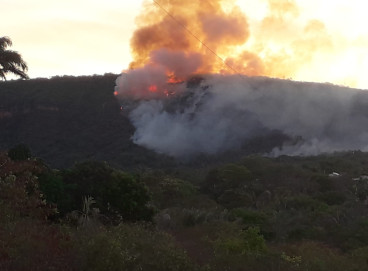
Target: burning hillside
<point>224,112</point>
<point>190,80</point>
<point>175,39</point>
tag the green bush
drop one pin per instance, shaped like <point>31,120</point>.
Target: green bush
<point>234,198</point>
<point>226,177</point>
<point>131,247</point>
<point>117,193</point>
<point>325,183</point>
<point>250,217</point>
<point>248,242</point>
<point>306,203</point>
<point>245,250</point>
<point>168,191</point>
<point>318,257</point>
<point>332,198</point>
<point>55,191</point>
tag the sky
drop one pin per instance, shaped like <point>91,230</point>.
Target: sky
<point>83,37</point>
<point>70,37</point>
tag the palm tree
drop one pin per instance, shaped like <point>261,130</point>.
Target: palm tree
<point>11,61</point>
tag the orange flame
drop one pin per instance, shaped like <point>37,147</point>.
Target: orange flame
<point>171,79</point>
<point>152,88</point>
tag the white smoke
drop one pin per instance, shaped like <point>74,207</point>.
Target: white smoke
<point>223,112</point>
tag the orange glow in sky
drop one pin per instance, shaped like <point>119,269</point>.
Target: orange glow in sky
<point>85,37</point>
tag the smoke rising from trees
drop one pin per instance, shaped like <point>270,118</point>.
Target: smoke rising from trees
<point>224,112</point>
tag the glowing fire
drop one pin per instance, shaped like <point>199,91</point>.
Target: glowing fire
<point>116,93</point>
<point>152,88</point>
<point>173,80</point>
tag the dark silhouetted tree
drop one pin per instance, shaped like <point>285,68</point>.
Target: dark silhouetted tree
<point>115,192</point>
<point>11,61</point>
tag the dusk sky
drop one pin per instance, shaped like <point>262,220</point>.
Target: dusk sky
<point>82,37</point>
<point>73,37</point>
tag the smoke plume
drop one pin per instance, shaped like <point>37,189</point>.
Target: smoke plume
<point>191,92</point>
<point>282,41</point>
<point>224,112</point>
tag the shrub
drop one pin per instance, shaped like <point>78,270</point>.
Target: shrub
<point>234,198</point>
<point>306,203</point>
<point>332,198</point>
<point>132,247</point>
<point>19,189</point>
<point>315,256</point>
<point>248,242</point>
<point>30,244</point>
<point>55,191</point>
<point>168,191</point>
<point>325,183</point>
<point>250,217</point>
<point>117,193</point>
<point>226,177</point>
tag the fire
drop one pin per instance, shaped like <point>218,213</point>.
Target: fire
<point>152,88</point>
<point>182,38</point>
<point>174,80</point>
<point>116,93</point>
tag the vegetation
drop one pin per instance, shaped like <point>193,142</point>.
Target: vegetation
<point>143,211</point>
<point>259,213</point>
<point>117,194</point>
<point>11,61</point>
<point>69,119</point>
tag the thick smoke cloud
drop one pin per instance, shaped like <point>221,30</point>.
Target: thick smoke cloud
<point>281,40</point>
<point>177,39</point>
<point>177,63</point>
<point>151,80</point>
<point>223,112</point>
<point>192,26</point>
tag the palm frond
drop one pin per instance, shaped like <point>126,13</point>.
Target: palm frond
<point>2,74</point>
<point>11,61</point>
<point>5,42</point>
<point>18,72</point>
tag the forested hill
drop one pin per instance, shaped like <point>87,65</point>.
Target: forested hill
<point>68,119</point>
<point>71,119</point>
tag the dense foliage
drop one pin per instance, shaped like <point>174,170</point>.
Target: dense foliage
<point>116,194</point>
<point>69,119</point>
<point>258,214</point>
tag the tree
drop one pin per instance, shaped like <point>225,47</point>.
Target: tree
<point>11,61</point>
<point>116,193</point>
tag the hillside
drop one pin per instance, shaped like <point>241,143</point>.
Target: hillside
<point>68,119</point>
<point>213,212</point>
<point>210,120</point>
